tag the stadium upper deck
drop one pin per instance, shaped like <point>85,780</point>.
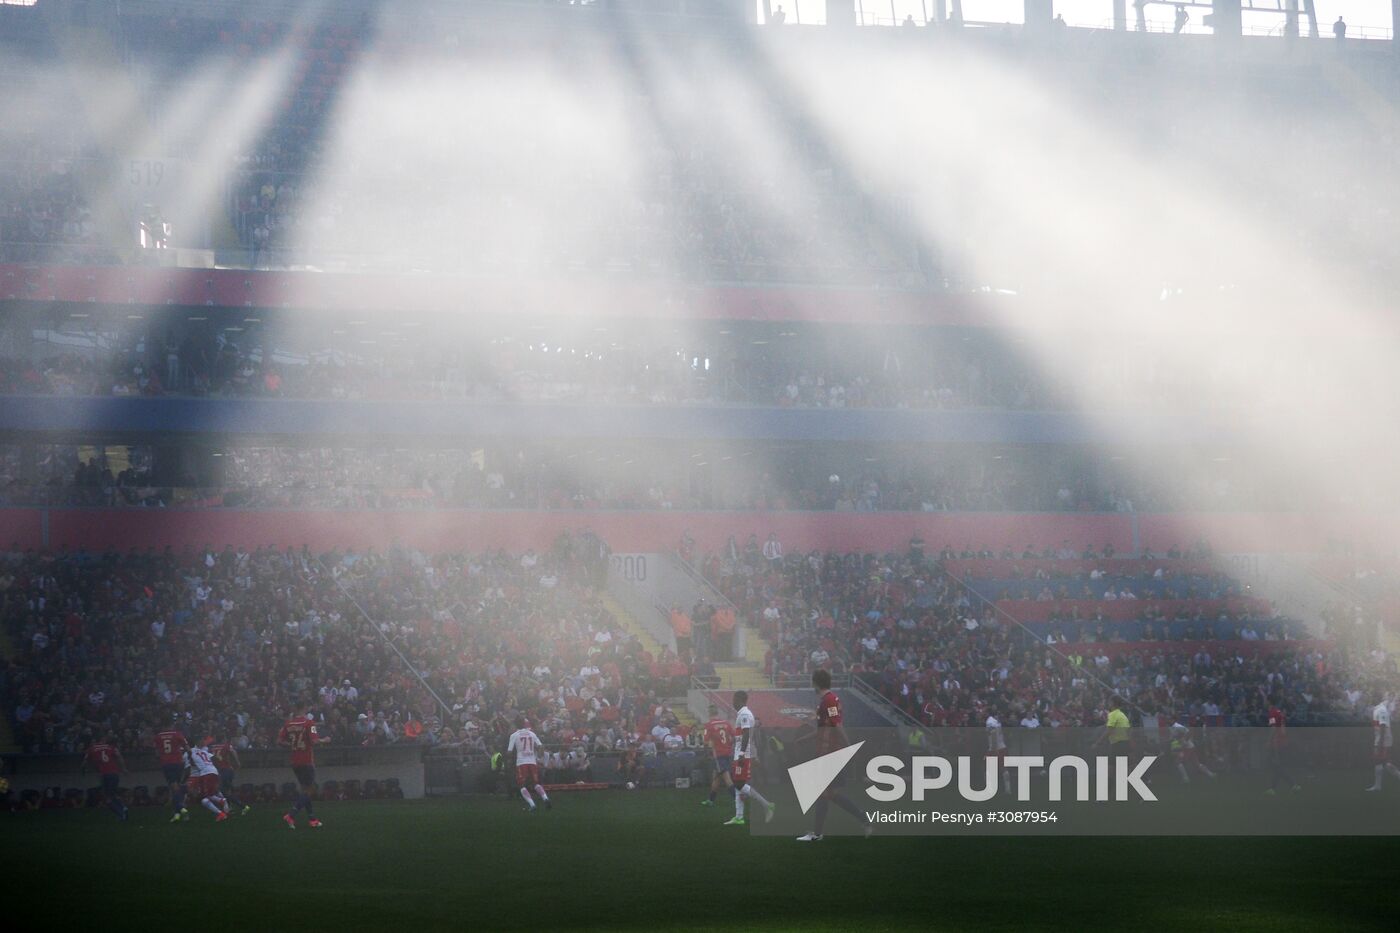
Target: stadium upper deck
<point>307,166</point>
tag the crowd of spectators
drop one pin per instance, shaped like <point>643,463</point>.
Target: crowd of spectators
<point>236,640</point>
<point>631,476</point>
<point>948,657</point>
<point>951,370</point>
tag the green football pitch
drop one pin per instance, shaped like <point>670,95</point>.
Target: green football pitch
<point>657,860</point>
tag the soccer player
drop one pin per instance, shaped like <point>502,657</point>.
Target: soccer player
<point>719,735</point>
<point>1381,741</point>
<point>526,746</point>
<point>204,780</point>
<point>996,747</point>
<point>741,770</point>
<point>226,759</point>
<point>1184,752</point>
<point>300,735</point>
<point>107,759</point>
<point>831,735</point>
<point>171,746</point>
<point>1278,747</point>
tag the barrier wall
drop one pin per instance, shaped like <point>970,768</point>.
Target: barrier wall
<point>640,532</point>
<point>108,417</point>
<point>97,529</point>
<point>1216,649</point>
<point>1270,532</point>
<point>444,294</point>
<point>405,762</point>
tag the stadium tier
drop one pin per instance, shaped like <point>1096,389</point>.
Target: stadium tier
<point>229,641</point>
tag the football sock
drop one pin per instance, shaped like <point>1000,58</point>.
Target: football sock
<point>540,790</point>
<point>525,793</point>
<point>750,792</point>
<point>210,805</point>
<point>712,795</point>
<point>738,804</point>
<point>1380,774</point>
<point>179,799</point>
<point>819,815</point>
<point>116,806</point>
<point>306,802</point>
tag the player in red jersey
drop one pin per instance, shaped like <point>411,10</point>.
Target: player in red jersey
<point>226,760</point>
<point>719,735</point>
<point>831,736</point>
<point>1278,748</point>
<point>171,746</point>
<point>300,735</point>
<point>107,759</point>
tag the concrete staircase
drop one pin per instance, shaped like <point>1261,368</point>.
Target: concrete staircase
<point>631,625</point>
<point>747,673</point>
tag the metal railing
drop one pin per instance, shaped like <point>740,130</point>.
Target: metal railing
<point>716,597</point>
<point>875,698</point>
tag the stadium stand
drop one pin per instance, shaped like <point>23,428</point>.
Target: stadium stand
<point>235,640</point>
<point>941,650</point>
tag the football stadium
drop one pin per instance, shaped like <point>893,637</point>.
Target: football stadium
<point>699,465</point>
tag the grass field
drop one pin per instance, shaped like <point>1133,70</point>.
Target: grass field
<point>657,861</point>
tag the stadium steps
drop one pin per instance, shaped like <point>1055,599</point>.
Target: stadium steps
<point>746,674</point>
<point>741,675</point>
<point>755,647</point>
<point>631,625</point>
<point>733,675</point>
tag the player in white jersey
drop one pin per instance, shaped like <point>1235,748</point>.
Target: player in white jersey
<point>1382,740</point>
<point>203,780</point>
<point>741,769</point>
<point>527,748</point>
<point>1185,755</point>
<point>996,748</point>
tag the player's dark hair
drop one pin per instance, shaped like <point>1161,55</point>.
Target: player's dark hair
<point>821,678</point>
<point>741,698</point>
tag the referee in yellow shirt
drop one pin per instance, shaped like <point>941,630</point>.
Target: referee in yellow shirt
<point>1116,729</point>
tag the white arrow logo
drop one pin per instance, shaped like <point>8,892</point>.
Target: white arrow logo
<point>811,778</point>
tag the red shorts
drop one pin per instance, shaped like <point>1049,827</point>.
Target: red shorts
<point>527,775</point>
<point>741,770</point>
<point>206,785</point>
